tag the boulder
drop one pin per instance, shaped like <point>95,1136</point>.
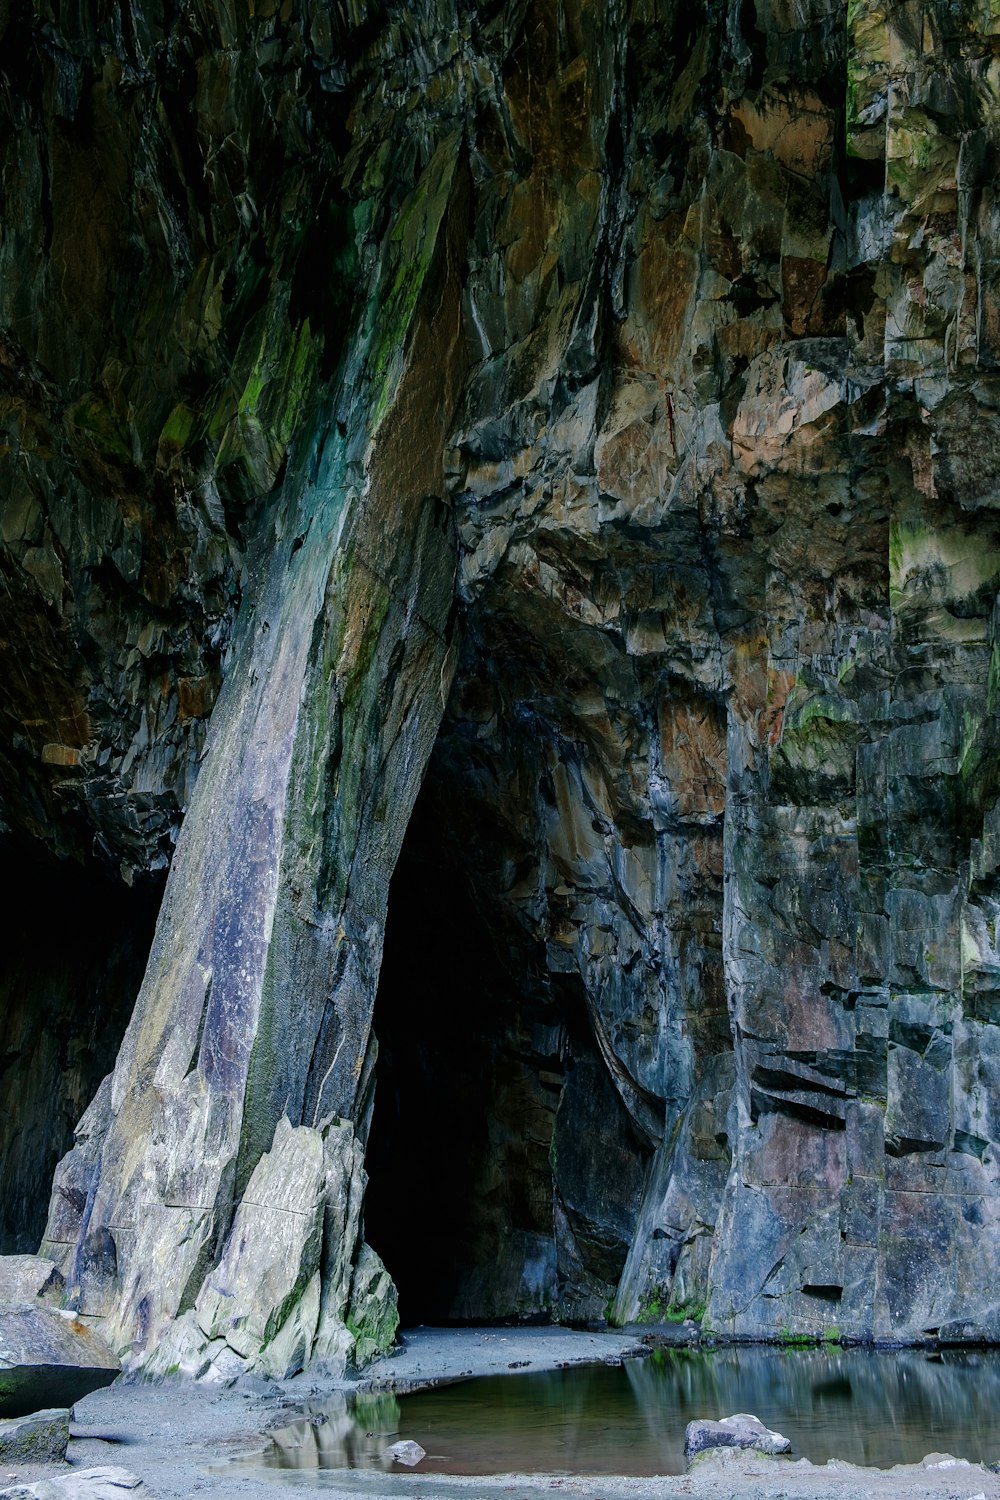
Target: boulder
<point>373,1315</point>
<point>740,1431</point>
<point>83,1484</point>
<point>273,1251</point>
<point>407,1452</point>
<point>49,1358</point>
<point>39,1438</point>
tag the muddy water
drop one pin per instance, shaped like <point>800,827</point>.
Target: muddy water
<point>867,1407</point>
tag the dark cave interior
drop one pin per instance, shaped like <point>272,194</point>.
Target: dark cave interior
<point>469,1074</point>
<point>65,1001</point>
<point>495,1120</point>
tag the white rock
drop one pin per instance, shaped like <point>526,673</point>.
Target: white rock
<point>39,1335</point>
<point>84,1484</point>
<point>407,1452</point>
<point>740,1431</point>
<point>25,1277</point>
<point>273,1248</point>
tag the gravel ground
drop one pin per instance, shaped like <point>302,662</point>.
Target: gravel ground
<point>183,1440</point>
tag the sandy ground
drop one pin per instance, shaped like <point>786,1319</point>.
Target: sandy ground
<point>183,1440</point>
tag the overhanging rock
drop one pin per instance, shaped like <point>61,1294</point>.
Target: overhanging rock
<point>48,1358</point>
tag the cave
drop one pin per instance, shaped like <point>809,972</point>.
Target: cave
<point>613,528</point>
<point>75,947</point>
<point>469,1072</point>
<point>489,1196</point>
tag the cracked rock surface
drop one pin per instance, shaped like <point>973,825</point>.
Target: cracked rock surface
<point>544,456</point>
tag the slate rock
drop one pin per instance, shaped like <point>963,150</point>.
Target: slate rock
<point>39,1438</point>
<point>740,1431</point>
<point>44,1335</point>
<point>83,1484</point>
<point>720,759</point>
<point>274,1248</point>
<point>23,1278</point>
<point>48,1356</point>
<point>407,1452</point>
<point>261,1310</point>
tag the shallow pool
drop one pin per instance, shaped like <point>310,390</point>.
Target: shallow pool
<point>874,1408</point>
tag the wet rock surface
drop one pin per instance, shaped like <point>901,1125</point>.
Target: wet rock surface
<point>407,1452</point>
<point>741,1431</point>
<point>586,418</point>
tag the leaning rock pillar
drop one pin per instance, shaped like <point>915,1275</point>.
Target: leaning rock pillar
<point>256,1003</point>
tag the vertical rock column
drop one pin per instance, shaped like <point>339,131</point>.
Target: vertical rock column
<point>257,998</point>
<point>861,951</point>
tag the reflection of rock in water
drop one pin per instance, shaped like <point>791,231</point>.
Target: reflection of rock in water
<point>836,1389</point>
<point>867,1407</point>
<point>349,1432</point>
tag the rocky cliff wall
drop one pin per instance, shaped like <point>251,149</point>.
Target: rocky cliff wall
<point>586,413</point>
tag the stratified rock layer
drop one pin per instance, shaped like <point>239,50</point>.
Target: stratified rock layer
<point>587,415</point>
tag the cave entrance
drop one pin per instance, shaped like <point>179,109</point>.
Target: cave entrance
<point>504,1171</point>
<point>74,953</point>
<point>469,1073</point>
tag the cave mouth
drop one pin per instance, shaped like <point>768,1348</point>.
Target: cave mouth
<point>470,1067</point>
<point>504,1172</point>
<point>76,944</point>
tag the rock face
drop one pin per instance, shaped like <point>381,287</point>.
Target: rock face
<point>284,1292</point>
<point>585,417</point>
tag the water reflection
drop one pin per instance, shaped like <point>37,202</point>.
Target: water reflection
<point>873,1408</point>
<point>346,1432</point>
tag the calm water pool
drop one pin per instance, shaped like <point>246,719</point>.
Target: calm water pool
<point>868,1407</point>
